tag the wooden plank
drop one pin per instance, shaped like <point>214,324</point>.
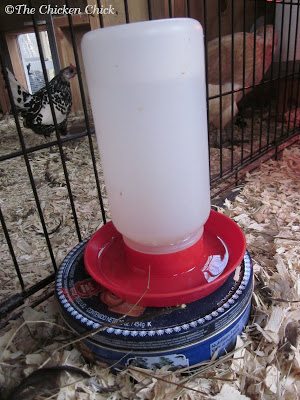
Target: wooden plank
<point>179,8</point>
<point>66,56</point>
<point>197,10</point>
<point>15,57</point>
<point>76,95</point>
<point>63,21</point>
<point>160,9</point>
<point>4,98</point>
<point>59,36</point>
<point>93,18</point>
<point>118,17</point>
<point>138,10</point>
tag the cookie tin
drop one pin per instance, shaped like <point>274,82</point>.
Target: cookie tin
<point>151,337</point>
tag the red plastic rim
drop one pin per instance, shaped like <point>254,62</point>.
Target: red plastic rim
<point>168,279</point>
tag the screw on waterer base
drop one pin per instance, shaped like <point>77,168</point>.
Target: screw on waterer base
<point>166,279</point>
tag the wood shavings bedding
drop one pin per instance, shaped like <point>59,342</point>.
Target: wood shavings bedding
<point>266,362</point>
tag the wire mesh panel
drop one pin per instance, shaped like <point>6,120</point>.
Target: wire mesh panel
<point>52,189</point>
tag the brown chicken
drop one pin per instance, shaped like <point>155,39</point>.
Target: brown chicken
<point>214,104</point>
<point>262,52</point>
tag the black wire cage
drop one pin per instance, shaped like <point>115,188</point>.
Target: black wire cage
<point>252,70</point>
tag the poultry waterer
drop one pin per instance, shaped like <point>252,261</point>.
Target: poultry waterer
<point>168,280</point>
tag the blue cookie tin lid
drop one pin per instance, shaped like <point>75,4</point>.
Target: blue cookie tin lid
<point>86,306</point>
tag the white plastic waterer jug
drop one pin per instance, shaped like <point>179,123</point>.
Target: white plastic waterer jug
<point>148,94</point>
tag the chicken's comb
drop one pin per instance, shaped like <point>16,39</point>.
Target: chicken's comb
<point>72,66</point>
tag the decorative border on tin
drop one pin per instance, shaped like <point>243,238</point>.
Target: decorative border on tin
<point>153,332</point>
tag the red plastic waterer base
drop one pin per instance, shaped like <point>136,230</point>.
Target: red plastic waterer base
<point>167,279</point>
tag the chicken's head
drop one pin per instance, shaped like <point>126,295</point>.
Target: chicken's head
<point>69,72</point>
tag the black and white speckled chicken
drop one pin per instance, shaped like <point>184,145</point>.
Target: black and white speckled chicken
<point>35,108</point>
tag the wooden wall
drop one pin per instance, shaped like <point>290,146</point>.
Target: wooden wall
<point>81,25</point>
